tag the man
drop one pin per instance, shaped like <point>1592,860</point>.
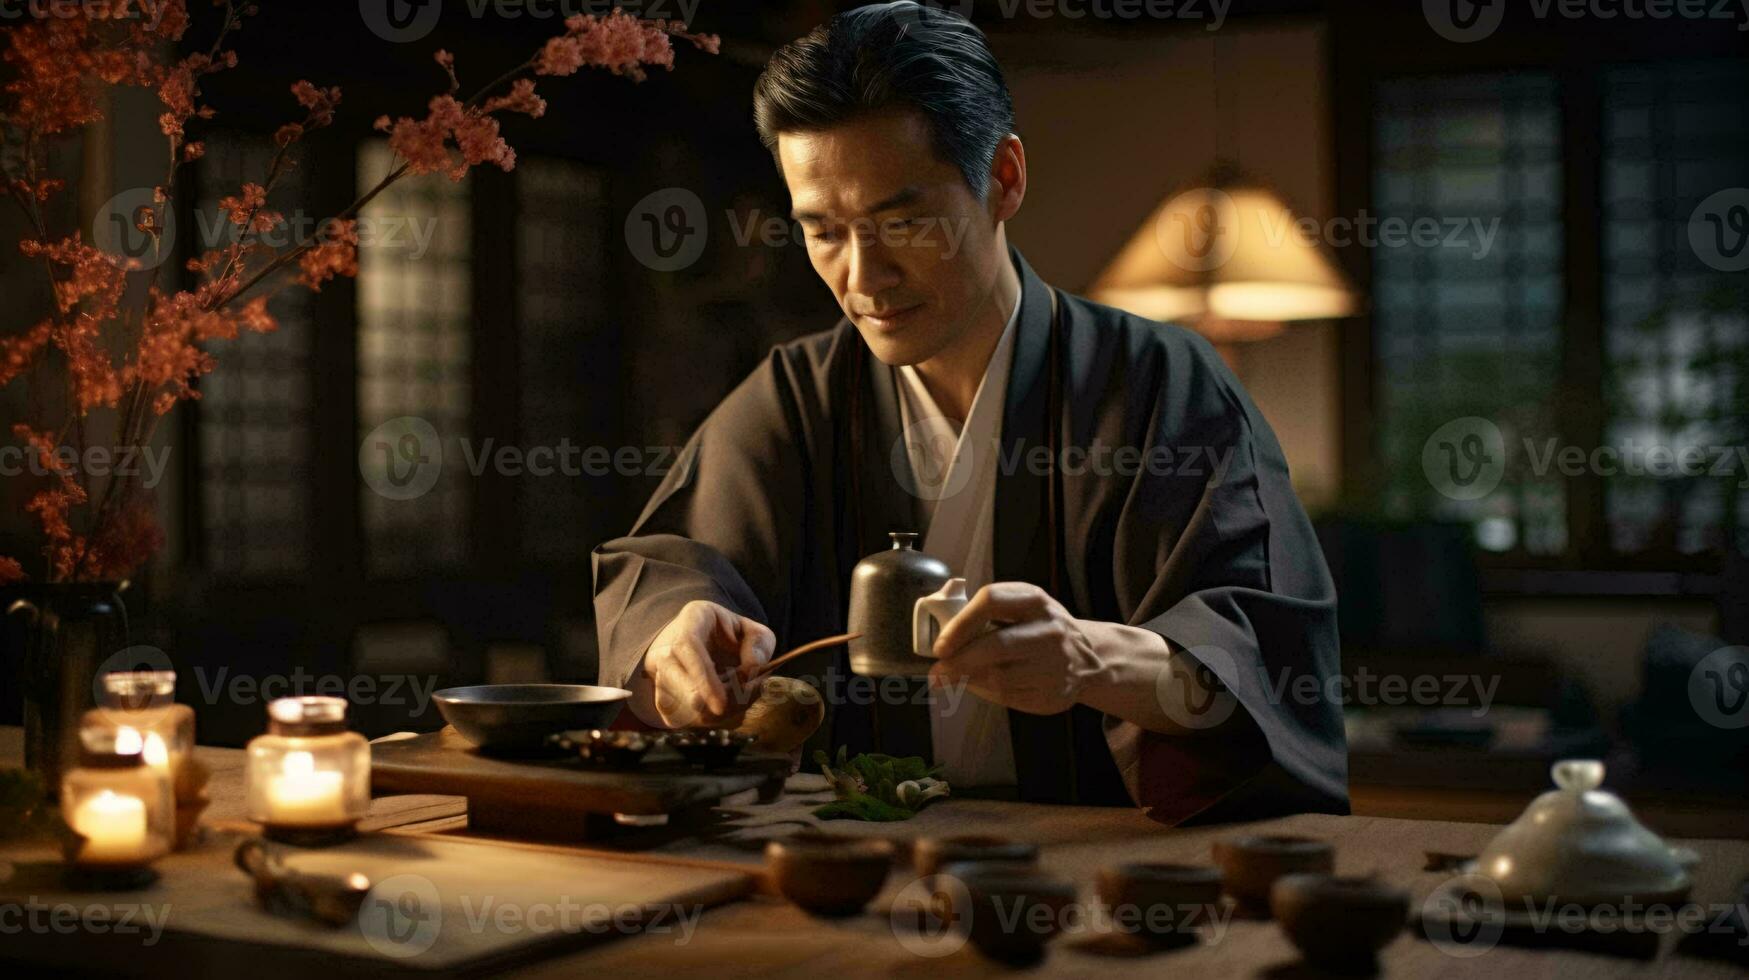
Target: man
<point>1151,602</point>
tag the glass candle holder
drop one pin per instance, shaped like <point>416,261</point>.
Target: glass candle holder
<point>139,709</point>
<point>117,808</point>
<point>308,778</point>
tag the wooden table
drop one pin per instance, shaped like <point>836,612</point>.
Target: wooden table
<point>766,936</point>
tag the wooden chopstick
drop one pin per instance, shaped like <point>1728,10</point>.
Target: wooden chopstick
<point>827,641</point>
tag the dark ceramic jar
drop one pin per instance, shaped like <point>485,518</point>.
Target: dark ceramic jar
<point>72,633</point>
<point>883,589</point>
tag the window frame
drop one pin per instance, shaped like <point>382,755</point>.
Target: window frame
<point>1370,44</point>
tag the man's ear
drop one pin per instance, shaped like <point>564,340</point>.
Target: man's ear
<point>1007,178</point>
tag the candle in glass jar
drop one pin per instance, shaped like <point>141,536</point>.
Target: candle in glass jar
<point>114,827</point>
<point>308,779</point>
<point>300,795</point>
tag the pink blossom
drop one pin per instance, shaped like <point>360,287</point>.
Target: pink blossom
<point>338,256</point>
<point>521,99</point>
<point>619,42</point>
<point>320,101</point>
<point>248,211</point>
<point>421,144</point>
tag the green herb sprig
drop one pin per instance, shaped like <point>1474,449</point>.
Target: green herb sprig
<point>881,788</point>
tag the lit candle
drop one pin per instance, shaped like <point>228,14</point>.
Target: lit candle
<point>300,795</point>
<point>138,709</point>
<point>307,779</point>
<point>114,826</point>
<point>150,746</point>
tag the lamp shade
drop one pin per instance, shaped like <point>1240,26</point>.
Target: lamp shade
<point>1229,256</point>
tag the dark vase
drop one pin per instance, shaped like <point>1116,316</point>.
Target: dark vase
<point>67,630</point>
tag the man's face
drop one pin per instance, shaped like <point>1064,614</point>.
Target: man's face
<point>908,250</point>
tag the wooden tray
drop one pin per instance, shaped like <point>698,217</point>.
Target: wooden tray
<point>562,797</point>
<point>441,907</point>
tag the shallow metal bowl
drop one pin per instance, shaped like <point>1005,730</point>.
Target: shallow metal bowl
<point>519,717</point>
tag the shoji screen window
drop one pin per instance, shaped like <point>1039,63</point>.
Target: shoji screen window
<point>415,310</point>
<point>1470,329</point>
<point>253,428</point>
<point>1676,305</point>
<point>561,294</point>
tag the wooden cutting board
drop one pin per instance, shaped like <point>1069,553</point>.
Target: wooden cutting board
<point>561,797</point>
<point>439,907</point>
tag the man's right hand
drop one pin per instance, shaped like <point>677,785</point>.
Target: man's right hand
<point>680,681</point>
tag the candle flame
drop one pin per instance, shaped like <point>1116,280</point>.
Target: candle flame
<point>109,799</point>
<point>150,745</point>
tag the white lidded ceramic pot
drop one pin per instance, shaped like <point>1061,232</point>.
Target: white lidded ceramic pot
<point>1580,844</point>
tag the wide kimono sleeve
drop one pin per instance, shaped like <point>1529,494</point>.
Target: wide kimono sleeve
<point>728,522</point>
<point>1241,593</point>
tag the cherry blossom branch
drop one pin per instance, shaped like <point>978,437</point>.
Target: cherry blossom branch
<point>168,332</point>
<point>285,258</point>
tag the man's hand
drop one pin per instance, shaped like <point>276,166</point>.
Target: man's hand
<point>1015,645</point>
<point>1037,659</point>
<point>695,670</point>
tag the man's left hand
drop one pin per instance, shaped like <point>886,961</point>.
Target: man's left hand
<point>1036,659</point>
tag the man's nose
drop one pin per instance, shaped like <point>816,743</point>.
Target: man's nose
<point>872,269</point>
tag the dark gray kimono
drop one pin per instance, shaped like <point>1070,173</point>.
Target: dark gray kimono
<point>778,495</point>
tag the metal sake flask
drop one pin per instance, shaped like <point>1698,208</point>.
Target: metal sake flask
<point>884,589</point>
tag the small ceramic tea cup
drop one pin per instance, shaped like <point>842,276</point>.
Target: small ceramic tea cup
<point>1250,865</point>
<point>709,748</point>
<point>829,876</point>
<point>1008,912</point>
<point>1160,901</point>
<point>930,854</point>
<point>613,749</point>
<point>1339,924</point>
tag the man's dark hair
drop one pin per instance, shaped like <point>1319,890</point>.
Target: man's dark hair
<point>889,55</point>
